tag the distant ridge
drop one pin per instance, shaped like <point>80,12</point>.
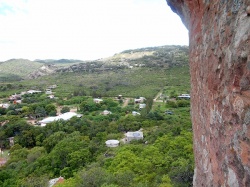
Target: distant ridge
<point>60,61</point>
<point>162,56</point>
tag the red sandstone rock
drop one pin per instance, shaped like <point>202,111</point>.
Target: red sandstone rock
<point>219,34</point>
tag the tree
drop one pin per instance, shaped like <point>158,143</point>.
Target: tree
<point>65,109</point>
<point>52,140</point>
<point>94,177</point>
<point>50,109</point>
<point>40,111</point>
<point>40,181</point>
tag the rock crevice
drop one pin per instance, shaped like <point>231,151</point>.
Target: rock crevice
<point>219,35</point>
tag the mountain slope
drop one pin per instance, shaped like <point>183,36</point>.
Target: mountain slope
<point>18,67</point>
<point>163,57</point>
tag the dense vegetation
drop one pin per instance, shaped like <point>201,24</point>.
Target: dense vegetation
<point>76,150</point>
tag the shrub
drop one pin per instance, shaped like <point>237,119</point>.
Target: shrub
<point>171,104</point>
<point>65,109</point>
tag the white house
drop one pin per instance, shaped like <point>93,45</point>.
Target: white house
<point>137,135</point>
<point>106,112</point>
<point>33,91</point>
<point>55,181</point>
<point>184,96</point>
<point>4,105</point>
<point>112,143</point>
<point>66,116</point>
<point>134,113</point>
<point>52,86</point>
<point>141,106</point>
<point>51,96</point>
<point>48,91</point>
<point>97,100</point>
<point>140,100</point>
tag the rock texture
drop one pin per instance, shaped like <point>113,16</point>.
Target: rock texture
<point>219,32</point>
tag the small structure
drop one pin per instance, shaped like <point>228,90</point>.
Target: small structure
<point>140,100</point>
<point>54,182</point>
<point>134,113</point>
<point>51,96</point>
<point>4,105</point>
<point>15,97</point>
<point>169,112</point>
<point>184,96</point>
<point>97,100</point>
<point>112,143</point>
<point>17,102</point>
<point>33,91</point>
<point>141,106</point>
<point>137,135</point>
<point>52,86</point>
<point>66,116</point>
<point>48,91</point>
<point>106,112</point>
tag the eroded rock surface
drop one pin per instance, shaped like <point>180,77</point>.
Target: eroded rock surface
<point>219,32</point>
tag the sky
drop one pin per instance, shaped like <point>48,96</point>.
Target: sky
<point>85,29</point>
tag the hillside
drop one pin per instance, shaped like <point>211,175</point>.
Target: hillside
<point>17,69</point>
<point>163,57</point>
<point>151,56</point>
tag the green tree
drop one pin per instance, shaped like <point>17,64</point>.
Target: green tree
<point>50,109</point>
<point>65,109</point>
<point>40,111</point>
<point>50,142</point>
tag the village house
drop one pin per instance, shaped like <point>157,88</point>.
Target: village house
<point>97,100</point>
<point>106,112</point>
<point>184,96</point>
<point>134,113</point>
<point>48,91</point>
<point>112,143</point>
<point>4,105</point>
<point>52,86</point>
<point>14,97</point>
<point>66,116</point>
<point>140,100</point>
<point>51,96</point>
<point>33,91</point>
<point>137,135</point>
<point>141,106</point>
<point>55,181</point>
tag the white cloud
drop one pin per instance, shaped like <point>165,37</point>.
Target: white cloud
<point>85,29</point>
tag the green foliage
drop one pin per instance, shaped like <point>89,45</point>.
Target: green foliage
<point>75,149</point>
<point>65,109</point>
<point>94,177</point>
<point>171,104</point>
<point>40,111</point>
<point>183,103</point>
<point>50,109</point>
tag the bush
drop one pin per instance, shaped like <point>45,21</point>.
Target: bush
<point>183,103</point>
<point>65,109</point>
<point>171,104</point>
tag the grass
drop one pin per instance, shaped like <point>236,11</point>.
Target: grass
<point>146,82</point>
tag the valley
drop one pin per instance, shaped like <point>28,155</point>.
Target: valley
<point>133,92</point>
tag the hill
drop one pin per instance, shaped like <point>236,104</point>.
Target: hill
<point>163,57</point>
<point>17,69</point>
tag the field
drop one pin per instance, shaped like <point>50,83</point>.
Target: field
<point>134,82</point>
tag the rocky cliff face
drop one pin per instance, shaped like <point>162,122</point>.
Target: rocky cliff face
<point>219,32</point>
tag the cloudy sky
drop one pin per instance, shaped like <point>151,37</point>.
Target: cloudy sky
<point>85,29</point>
